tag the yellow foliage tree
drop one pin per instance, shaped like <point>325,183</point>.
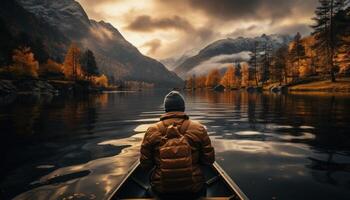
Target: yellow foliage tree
<point>213,78</point>
<point>24,63</point>
<point>200,81</point>
<point>229,78</point>
<point>101,81</point>
<point>245,74</point>
<point>72,69</point>
<point>343,56</point>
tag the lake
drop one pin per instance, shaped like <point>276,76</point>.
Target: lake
<point>293,146</point>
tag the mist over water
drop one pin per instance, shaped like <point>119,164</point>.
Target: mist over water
<point>294,146</point>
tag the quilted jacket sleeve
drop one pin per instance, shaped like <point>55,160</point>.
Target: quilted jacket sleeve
<point>207,156</point>
<point>147,157</point>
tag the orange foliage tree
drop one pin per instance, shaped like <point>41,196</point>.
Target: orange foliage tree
<point>229,78</point>
<point>200,81</point>
<point>101,81</point>
<point>213,78</point>
<point>72,68</point>
<point>51,69</point>
<point>343,56</point>
<point>24,63</point>
<point>245,71</point>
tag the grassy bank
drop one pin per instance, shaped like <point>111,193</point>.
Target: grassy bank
<point>341,85</point>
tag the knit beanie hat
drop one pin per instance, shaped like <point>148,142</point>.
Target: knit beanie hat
<point>174,101</point>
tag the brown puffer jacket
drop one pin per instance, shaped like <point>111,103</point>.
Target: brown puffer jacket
<point>196,134</point>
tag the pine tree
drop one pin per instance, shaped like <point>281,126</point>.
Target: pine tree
<point>88,64</point>
<point>279,65</point>
<point>254,62</point>
<point>266,63</point>
<point>325,31</point>
<point>72,68</point>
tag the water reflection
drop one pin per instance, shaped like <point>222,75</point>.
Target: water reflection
<point>80,147</point>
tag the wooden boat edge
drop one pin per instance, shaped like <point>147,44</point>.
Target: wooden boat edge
<point>126,176</point>
<point>230,182</point>
<point>216,166</point>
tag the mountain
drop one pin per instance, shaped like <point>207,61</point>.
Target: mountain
<point>114,54</point>
<point>172,62</point>
<point>237,48</point>
<point>20,27</point>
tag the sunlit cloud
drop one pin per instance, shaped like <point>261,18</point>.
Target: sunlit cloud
<point>183,25</point>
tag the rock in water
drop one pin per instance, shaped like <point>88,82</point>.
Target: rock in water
<point>219,88</point>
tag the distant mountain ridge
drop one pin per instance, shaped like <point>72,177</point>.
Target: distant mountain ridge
<point>227,47</point>
<point>115,56</point>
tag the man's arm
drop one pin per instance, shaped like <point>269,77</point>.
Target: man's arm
<point>207,151</point>
<point>146,158</point>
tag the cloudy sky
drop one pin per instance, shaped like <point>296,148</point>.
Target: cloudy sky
<point>167,28</point>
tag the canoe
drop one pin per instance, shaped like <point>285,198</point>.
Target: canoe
<point>135,185</point>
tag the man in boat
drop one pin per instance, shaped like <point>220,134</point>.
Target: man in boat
<point>175,148</point>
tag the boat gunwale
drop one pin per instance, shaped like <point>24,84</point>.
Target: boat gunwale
<point>227,179</point>
<point>133,167</point>
<point>230,182</point>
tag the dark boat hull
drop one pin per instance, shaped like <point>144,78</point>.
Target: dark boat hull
<point>218,186</point>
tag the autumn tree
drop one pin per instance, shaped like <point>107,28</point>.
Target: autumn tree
<point>245,72</point>
<point>229,78</point>
<point>102,81</point>
<point>213,78</point>
<point>24,63</point>
<point>72,69</point>
<point>343,56</point>
<point>296,54</point>
<point>88,64</point>
<point>51,69</point>
<point>200,81</point>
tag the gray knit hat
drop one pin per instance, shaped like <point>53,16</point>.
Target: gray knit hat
<point>174,101</point>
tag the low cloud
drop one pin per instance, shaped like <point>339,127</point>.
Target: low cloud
<point>145,23</point>
<point>220,62</point>
<point>153,46</point>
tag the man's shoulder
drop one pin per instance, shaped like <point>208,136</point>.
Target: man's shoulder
<point>196,126</point>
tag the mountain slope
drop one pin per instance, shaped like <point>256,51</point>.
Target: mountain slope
<point>19,27</point>
<point>228,46</point>
<point>115,56</point>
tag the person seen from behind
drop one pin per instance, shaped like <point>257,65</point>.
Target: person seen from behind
<point>176,147</point>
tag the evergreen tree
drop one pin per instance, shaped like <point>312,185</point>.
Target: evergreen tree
<point>279,65</point>
<point>325,31</point>
<point>254,62</point>
<point>266,63</point>
<point>88,64</point>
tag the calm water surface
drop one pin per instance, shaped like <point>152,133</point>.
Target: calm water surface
<point>294,146</point>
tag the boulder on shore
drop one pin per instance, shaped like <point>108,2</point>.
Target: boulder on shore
<point>219,88</point>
